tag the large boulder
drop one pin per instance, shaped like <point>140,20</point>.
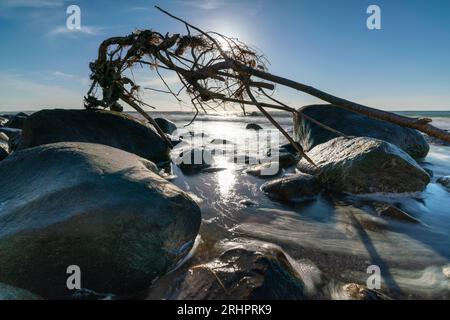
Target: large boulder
<point>365,165</point>
<point>113,129</point>
<point>97,207</point>
<point>310,134</point>
<point>166,126</point>
<point>245,270</point>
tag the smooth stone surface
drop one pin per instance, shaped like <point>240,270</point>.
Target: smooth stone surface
<point>98,207</point>
<point>365,165</point>
<point>352,124</point>
<point>265,170</point>
<point>246,270</point>
<point>113,129</point>
<point>166,125</point>
<point>297,187</point>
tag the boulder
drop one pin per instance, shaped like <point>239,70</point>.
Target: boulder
<point>353,124</point>
<point>113,129</point>
<point>246,270</point>
<point>253,126</point>
<point>17,121</point>
<point>294,187</point>
<point>166,126</point>
<point>94,206</point>
<point>365,165</point>
<point>194,160</point>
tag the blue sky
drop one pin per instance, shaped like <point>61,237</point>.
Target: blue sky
<point>323,43</point>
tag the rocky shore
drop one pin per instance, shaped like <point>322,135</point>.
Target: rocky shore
<point>100,190</point>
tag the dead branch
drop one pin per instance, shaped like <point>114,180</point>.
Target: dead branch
<point>213,69</point>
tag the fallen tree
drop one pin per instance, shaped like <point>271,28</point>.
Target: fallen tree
<point>213,69</point>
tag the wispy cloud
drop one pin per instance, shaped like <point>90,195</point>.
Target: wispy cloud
<point>84,30</point>
<point>31,3</point>
<point>22,93</point>
<point>72,77</point>
<point>203,4</point>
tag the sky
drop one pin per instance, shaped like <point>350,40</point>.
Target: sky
<point>323,43</point>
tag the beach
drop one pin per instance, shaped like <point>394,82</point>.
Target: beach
<point>332,239</point>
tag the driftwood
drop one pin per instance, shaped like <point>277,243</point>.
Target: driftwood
<point>213,70</point>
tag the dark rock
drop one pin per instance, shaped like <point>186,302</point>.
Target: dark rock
<point>166,126</point>
<point>287,159</point>
<point>12,293</point>
<point>294,187</point>
<point>445,181</point>
<point>113,129</point>
<point>365,165</point>
<point>253,126</point>
<point>100,208</point>
<point>247,203</point>
<point>17,121</point>
<point>352,124</point>
<point>194,160</point>
<point>246,270</point>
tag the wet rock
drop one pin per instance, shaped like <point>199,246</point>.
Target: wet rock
<point>365,165</point>
<point>436,141</point>
<point>14,137</point>
<point>194,160</point>
<point>287,159</point>
<point>294,187</point>
<point>265,170</point>
<point>354,291</point>
<point>352,124</point>
<point>166,126</point>
<point>113,129</point>
<point>17,121</point>
<point>4,146</point>
<point>247,203</point>
<point>97,207</point>
<point>3,121</point>
<point>445,181</point>
<point>246,270</point>
<point>387,210</point>
<point>12,293</point>
<point>253,126</point>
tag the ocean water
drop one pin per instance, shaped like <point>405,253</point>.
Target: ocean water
<point>335,237</point>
